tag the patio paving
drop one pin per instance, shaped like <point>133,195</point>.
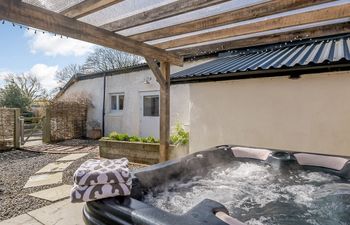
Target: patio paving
<point>72,157</point>
<point>44,179</point>
<point>54,167</point>
<point>60,213</point>
<point>23,219</point>
<point>67,147</point>
<point>54,194</point>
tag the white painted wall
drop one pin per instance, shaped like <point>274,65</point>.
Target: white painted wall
<point>131,84</point>
<point>310,114</point>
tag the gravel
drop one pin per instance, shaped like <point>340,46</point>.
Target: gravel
<point>16,167</point>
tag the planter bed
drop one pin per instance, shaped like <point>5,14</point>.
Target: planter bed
<point>147,153</point>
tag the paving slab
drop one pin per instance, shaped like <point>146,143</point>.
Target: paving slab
<point>23,219</point>
<point>44,179</point>
<point>54,194</point>
<point>72,157</point>
<point>54,167</point>
<point>60,213</point>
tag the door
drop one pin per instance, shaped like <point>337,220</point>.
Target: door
<point>149,122</point>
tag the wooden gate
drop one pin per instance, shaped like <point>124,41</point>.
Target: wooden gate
<point>31,129</point>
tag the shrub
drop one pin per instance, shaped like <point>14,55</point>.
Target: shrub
<point>118,137</point>
<point>180,137</point>
<point>125,137</point>
<point>134,139</point>
<point>149,140</point>
<point>113,135</point>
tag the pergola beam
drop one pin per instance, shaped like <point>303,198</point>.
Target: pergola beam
<point>26,14</point>
<point>87,7</point>
<point>234,16</point>
<point>331,13</point>
<point>155,69</point>
<point>314,32</point>
<point>162,12</point>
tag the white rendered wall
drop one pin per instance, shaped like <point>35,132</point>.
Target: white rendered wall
<point>131,84</point>
<point>309,114</point>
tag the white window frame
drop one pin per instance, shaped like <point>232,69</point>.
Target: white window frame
<point>117,95</point>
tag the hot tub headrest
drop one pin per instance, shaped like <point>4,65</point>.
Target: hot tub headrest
<point>330,162</point>
<point>251,153</point>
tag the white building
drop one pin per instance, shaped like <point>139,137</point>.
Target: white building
<point>294,97</point>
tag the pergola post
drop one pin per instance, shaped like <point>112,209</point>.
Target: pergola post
<point>164,112</point>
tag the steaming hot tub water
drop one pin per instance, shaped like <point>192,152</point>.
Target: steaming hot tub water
<point>257,194</point>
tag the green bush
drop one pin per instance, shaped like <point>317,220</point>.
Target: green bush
<point>149,140</point>
<point>180,137</point>
<point>113,135</point>
<point>134,139</point>
<point>118,137</point>
<point>125,137</point>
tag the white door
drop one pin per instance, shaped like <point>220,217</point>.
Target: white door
<point>149,118</point>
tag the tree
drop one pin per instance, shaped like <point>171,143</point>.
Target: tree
<point>11,96</point>
<point>65,74</point>
<point>104,59</point>
<point>29,84</point>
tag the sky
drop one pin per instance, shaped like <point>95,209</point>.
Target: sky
<point>23,51</point>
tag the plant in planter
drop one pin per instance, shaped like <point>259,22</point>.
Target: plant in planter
<point>181,136</point>
<point>95,131</point>
<point>142,149</point>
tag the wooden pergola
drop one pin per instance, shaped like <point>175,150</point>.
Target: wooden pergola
<point>166,31</point>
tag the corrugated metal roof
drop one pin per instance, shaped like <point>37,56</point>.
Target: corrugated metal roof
<point>287,55</point>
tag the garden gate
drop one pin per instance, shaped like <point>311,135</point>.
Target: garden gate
<point>31,129</point>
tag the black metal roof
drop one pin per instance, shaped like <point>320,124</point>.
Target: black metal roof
<point>287,55</point>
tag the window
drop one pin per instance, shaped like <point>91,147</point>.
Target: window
<point>117,102</point>
<point>151,105</point>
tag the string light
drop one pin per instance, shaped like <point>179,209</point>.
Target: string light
<point>29,28</point>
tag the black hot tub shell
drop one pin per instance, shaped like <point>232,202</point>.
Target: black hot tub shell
<point>132,211</point>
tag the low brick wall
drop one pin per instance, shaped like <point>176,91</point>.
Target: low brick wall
<point>147,153</point>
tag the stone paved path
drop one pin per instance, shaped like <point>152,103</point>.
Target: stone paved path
<point>52,173</point>
<point>54,194</point>
<point>66,147</point>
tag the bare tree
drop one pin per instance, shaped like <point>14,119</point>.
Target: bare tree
<point>65,74</point>
<point>29,84</point>
<point>104,59</point>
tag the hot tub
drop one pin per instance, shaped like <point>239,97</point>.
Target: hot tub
<point>253,186</point>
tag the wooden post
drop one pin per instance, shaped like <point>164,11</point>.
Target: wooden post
<point>17,136</point>
<point>164,113</point>
<point>47,126</point>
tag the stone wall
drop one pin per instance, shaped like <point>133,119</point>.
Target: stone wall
<point>7,128</point>
<point>64,121</point>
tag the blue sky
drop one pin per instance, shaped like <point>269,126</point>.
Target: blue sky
<point>22,51</point>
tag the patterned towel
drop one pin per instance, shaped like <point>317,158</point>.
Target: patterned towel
<point>105,171</point>
<point>100,191</point>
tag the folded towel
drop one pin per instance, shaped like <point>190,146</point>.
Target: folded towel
<point>104,171</point>
<point>100,191</point>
